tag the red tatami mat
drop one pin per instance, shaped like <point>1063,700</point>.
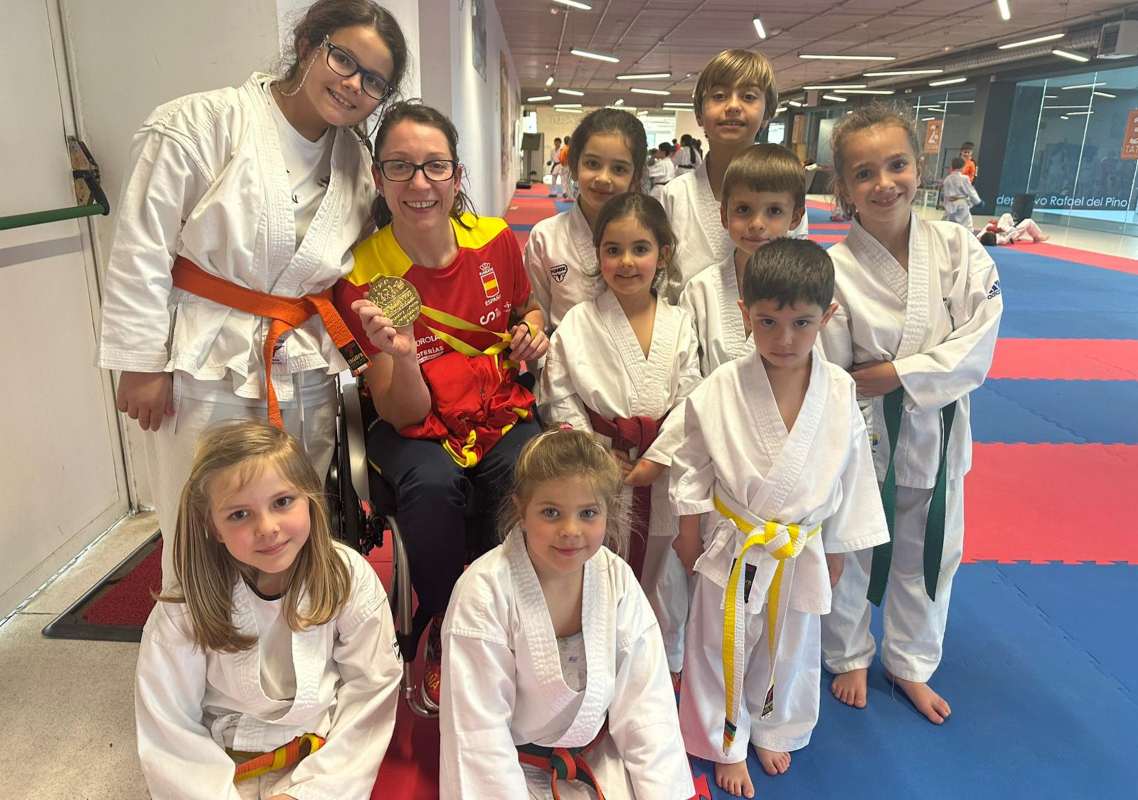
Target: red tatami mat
<point>529,213</point>
<point>826,238</point>
<point>1066,359</point>
<point>1084,257</point>
<point>1051,502</point>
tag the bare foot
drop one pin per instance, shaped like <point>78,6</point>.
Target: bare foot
<point>774,762</point>
<point>1043,237</point>
<point>850,687</point>
<point>734,778</point>
<point>928,702</point>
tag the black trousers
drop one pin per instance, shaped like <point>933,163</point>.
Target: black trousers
<point>445,512</point>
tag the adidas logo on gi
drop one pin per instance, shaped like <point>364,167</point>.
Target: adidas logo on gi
<point>994,291</point>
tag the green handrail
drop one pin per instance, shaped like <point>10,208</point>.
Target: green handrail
<point>100,206</point>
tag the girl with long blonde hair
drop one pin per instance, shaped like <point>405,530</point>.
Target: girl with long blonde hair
<point>273,665</point>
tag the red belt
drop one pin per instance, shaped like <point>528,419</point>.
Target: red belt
<point>632,433</point>
<point>286,313</point>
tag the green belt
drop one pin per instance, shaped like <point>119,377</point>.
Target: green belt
<point>934,523</point>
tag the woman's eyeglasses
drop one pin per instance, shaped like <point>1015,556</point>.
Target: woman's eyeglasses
<point>345,65</point>
<point>400,171</point>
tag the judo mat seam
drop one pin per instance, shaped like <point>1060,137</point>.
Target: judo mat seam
<point>1069,636</point>
<point>992,386</point>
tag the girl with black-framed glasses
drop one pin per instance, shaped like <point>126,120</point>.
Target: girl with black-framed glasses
<point>234,200</point>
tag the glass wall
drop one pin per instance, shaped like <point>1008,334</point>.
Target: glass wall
<point>1066,145</point>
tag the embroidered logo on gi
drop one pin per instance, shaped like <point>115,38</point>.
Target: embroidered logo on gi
<point>489,282</point>
<point>559,272</point>
<point>994,291</point>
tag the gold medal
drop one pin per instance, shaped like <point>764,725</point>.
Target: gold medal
<point>397,298</point>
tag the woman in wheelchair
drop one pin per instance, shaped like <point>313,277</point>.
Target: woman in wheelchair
<point>452,415</point>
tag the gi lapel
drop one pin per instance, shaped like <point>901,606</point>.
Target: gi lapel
<point>707,210</point>
<point>537,626</point>
<point>734,334</point>
<point>581,237</point>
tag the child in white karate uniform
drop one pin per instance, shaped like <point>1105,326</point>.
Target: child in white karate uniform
<point>764,198</point>
<point>919,313</point>
<point>616,367</point>
<point>234,200</point>
<point>735,97</point>
<point>773,478</point>
<point>959,196</point>
<point>606,158</point>
<point>551,653</point>
<point>276,639</point>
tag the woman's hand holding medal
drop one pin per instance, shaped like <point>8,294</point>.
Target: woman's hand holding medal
<point>529,343</point>
<point>389,314</point>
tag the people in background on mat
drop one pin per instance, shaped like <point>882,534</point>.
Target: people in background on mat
<point>452,414</point>
<point>554,164</point>
<point>554,671</point>
<point>687,156</point>
<point>617,365</point>
<point>772,482</point>
<point>958,195</point>
<point>763,199</point>
<point>969,168</point>
<point>735,96</point>
<point>560,257</point>
<point>1006,230</point>
<point>218,227</point>
<point>661,169</point>
<point>919,313</point>
<point>271,671</point>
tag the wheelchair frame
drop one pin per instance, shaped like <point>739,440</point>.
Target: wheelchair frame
<point>362,525</point>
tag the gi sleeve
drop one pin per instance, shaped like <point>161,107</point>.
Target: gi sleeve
<point>859,521</point>
<point>692,475</point>
<point>959,364</point>
<point>533,257</point>
<point>367,658</point>
<point>688,377</point>
<point>643,721</point>
<point>180,759</point>
<point>558,400</point>
<point>836,338</point>
<point>165,182</point>
<point>477,756</point>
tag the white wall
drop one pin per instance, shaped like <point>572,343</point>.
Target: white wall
<point>62,481</point>
<point>451,84</point>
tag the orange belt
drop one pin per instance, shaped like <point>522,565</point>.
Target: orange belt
<point>286,313</point>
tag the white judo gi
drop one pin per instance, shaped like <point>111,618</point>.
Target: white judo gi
<point>712,300</point>
<point>937,323</point>
<point>702,239</point>
<point>561,263</point>
<point>595,362</point>
<point>737,450</point>
<point>1008,231</point>
<point>191,705</point>
<point>956,184</point>
<point>503,686</point>
<point>207,181</point>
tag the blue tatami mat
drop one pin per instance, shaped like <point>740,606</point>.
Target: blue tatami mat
<point>1035,715</point>
<point>1049,298</point>
<point>1032,411</point>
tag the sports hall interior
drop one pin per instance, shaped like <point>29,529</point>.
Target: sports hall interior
<point>1041,638</point>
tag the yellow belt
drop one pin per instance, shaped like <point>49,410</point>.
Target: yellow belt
<point>780,542</point>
